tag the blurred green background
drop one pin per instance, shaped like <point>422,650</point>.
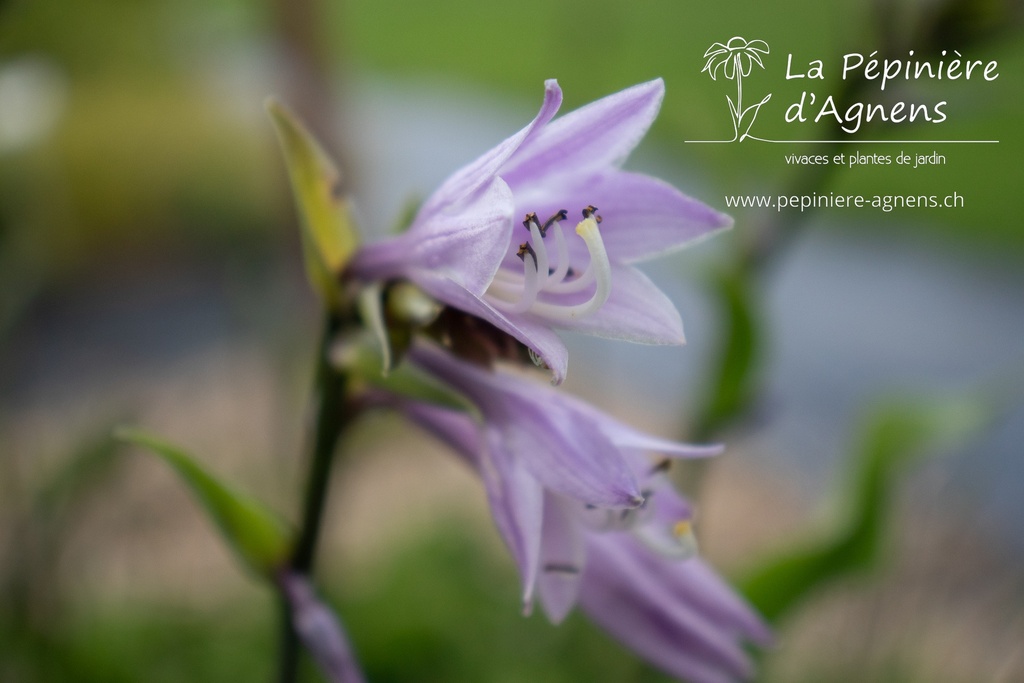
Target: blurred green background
<point>150,272</point>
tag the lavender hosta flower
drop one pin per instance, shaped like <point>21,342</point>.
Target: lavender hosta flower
<point>467,248</point>
<point>631,569</point>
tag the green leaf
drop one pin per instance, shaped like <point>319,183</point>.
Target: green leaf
<point>260,538</point>
<point>88,464</point>
<point>329,232</point>
<point>895,436</point>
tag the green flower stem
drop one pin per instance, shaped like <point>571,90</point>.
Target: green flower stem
<point>288,664</point>
<point>333,415</point>
<point>331,420</point>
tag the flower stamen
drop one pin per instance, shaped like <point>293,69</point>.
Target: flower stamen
<point>526,249</point>
<point>600,270</point>
<point>532,280</point>
<point>541,252</point>
<point>526,293</point>
<point>562,250</point>
<point>676,541</point>
<point>559,215</point>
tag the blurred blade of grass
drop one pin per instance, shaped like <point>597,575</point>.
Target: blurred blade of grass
<point>896,435</point>
<point>260,538</point>
<point>90,462</point>
<point>733,382</point>
<point>39,528</point>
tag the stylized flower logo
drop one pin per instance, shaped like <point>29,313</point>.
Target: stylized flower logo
<point>736,59</point>
<point>738,55</point>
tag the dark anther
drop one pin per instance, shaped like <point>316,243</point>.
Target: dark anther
<point>561,568</point>
<point>591,211</point>
<point>570,272</point>
<point>561,215</point>
<point>524,249</point>
<point>531,218</point>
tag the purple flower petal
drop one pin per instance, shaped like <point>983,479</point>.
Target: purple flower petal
<point>472,176</point>
<point>629,438</point>
<point>581,463</point>
<point>636,311</point>
<point>563,553</point>
<point>674,634</point>
<point>598,135</point>
<point>696,583</point>
<point>468,245</point>
<point>517,504</point>
<point>456,429</point>
<point>515,497</point>
<point>644,217</point>
<point>465,246</point>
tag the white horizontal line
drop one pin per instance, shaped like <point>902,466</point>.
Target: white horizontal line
<point>854,142</point>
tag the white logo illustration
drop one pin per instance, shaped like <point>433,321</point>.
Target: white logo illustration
<point>736,59</point>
